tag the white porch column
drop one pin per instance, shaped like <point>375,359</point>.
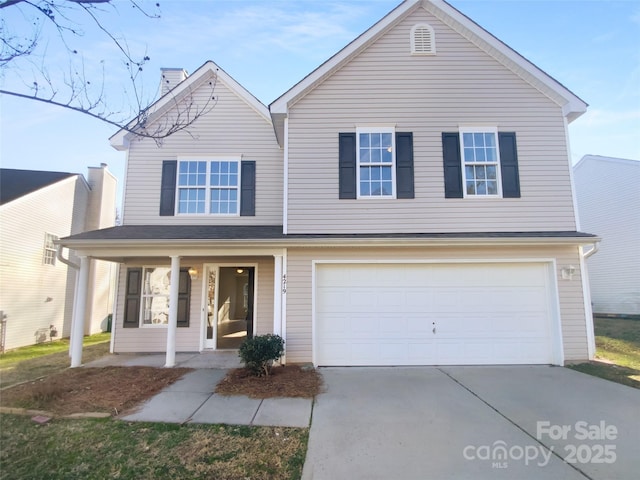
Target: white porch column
<point>172,327</point>
<point>80,306</point>
<point>277,295</point>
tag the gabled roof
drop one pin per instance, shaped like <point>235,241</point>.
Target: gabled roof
<point>606,160</point>
<point>571,104</point>
<point>120,139</point>
<point>18,183</point>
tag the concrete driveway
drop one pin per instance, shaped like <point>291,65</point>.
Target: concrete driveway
<point>511,422</point>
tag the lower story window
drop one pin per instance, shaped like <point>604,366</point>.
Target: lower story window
<point>155,295</point>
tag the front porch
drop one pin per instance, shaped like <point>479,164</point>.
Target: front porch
<point>223,359</point>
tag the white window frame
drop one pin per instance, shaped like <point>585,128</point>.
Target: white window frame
<point>207,187</point>
<point>143,296</point>
<point>464,164</point>
<point>374,129</point>
<point>49,250</point>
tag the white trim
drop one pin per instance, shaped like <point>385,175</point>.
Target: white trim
<point>114,309</point>
<point>172,325</point>
<point>553,293</point>
<point>283,359</point>
<point>480,129</point>
<point>277,294</point>
<point>120,140</point>
<point>432,42</point>
<point>285,187</point>
<point>205,268</point>
<point>573,108</point>
<point>208,159</point>
<point>574,196</point>
<point>588,310</point>
<point>376,129</point>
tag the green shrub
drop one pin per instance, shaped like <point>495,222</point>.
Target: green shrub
<point>259,353</point>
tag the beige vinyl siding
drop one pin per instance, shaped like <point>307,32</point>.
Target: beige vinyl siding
<point>154,339</point>
<point>35,296</point>
<point>459,86</point>
<point>608,198</point>
<point>300,290</point>
<point>230,128</point>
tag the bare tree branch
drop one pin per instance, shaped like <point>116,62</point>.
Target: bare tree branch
<point>76,89</point>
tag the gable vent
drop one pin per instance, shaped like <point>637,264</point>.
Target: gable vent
<point>423,40</point>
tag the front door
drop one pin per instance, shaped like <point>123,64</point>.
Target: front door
<point>229,306</point>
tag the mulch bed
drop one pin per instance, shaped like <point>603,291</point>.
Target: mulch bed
<point>288,381</point>
<point>79,390</point>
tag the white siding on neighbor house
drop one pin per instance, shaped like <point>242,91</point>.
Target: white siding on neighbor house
<point>459,86</point>
<point>34,295</point>
<point>154,339</point>
<point>300,287</point>
<point>231,128</point>
<point>608,196</point>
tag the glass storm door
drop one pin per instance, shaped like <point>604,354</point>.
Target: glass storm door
<point>229,310</point>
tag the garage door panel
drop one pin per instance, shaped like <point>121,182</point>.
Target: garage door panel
<point>384,314</point>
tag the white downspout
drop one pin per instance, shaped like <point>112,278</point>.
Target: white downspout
<point>586,294</point>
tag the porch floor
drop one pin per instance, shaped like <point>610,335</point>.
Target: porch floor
<point>215,359</point>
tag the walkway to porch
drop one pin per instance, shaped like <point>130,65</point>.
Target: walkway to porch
<point>219,359</point>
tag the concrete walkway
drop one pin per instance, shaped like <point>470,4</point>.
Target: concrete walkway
<point>191,399</point>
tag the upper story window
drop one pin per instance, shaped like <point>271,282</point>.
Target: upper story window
<point>423,41</point>
<point>208,187</point>
<point>481,162</point>
<point>376,162</point>
<point>49,252</point>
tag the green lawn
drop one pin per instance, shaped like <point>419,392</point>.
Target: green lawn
<point>35,361</point>
<point>617,351</point>
<point>97,449</point>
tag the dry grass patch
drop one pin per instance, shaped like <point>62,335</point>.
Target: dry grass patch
<point>288,381</point>
<point>108,389</point>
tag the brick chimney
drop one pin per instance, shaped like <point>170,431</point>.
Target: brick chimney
<point>170,77</point>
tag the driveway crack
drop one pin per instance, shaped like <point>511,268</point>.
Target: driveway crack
<point>550,449</point>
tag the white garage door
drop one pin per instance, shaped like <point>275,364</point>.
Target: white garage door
<point>433,314</point>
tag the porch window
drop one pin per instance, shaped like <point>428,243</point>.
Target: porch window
<point>155,295</point>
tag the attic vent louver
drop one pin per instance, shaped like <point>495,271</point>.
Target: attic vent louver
<point>423,40</point>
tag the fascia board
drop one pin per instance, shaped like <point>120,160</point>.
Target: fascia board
<point>573,107</point>
<point>281,104</point>
<point>120,140</point>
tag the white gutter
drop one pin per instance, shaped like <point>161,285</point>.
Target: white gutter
<point>59,256</point>
<point>596,247</point>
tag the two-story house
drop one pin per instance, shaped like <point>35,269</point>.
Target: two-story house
<point>37,288</point>
<point>409,202</point>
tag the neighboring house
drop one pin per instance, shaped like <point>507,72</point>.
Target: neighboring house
<point>608,197</point>
<point>36,288</point>
<point>409,202</point>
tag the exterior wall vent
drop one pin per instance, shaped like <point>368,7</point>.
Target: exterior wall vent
<point>423,41</point>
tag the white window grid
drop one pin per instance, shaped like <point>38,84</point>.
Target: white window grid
<point>49,253</point>
<point>480,154</point>
<point>376,161</point>
<point>208,186</point>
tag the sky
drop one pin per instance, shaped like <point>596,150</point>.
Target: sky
<point>590,46</point>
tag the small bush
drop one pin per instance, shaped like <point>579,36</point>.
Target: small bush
<point>259,353</point>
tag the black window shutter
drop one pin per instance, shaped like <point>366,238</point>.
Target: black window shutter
<point>132,298</point>
<point>347,165</point>
<point>452,165</point>
<point>509,165</point>
<point>184,295</point>
<point>404,165</point>
<point>168,188</point>
<point>248,188</point>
